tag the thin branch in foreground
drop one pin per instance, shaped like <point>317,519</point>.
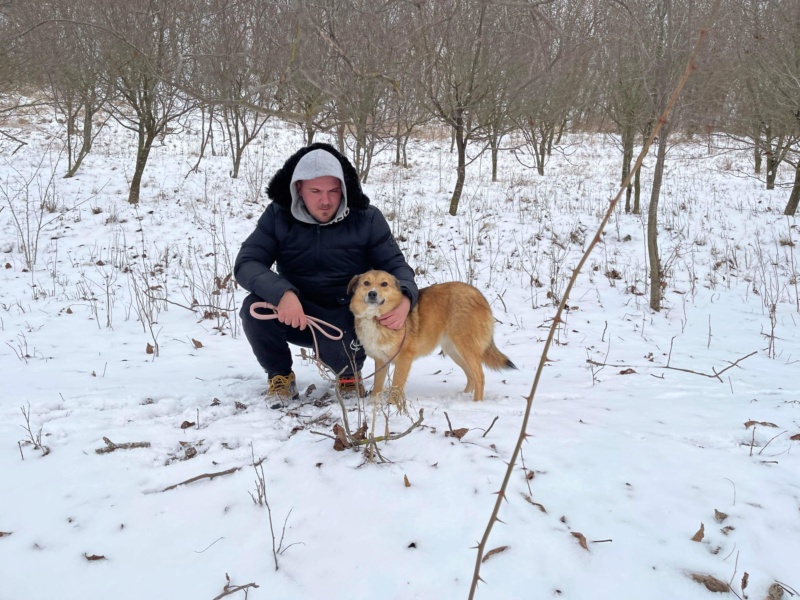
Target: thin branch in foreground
<point>501,494</point>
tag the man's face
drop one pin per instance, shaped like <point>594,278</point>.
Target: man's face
<point>322,196</point>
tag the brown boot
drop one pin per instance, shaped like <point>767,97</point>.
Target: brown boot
<point>351,385</point>
<point>282,388</point>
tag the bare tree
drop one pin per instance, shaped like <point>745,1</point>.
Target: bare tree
<point>146,56</point>
<point>766,86</point>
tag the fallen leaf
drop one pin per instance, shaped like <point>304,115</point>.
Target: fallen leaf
<point>749,424</point>
<point>91,557</point>
<point>197,344</point>
<point>581,539</point>
<point>190,452</point>
<point>341,442</point>
<point>745,580</point>
<point>494,551</point>
<point>719,516</point>
<point>150,349</point>
<point>457,433</point>
<point>698,537</point>
<point>712,584</point>
<point>775,592</point>
<point>536,504</point>
<point>406,482</point>
<point>795,437</point>
<point>5,533</point>
<point>239,405</point>
<point>215,402</point>
<point>69,310</point>
<point>627,372</point>
<point>187,424</point>
<point>727,529</point>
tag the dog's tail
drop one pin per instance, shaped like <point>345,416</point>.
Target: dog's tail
<point>496,360</point>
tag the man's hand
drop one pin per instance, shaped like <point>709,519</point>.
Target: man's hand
<point>290,311</point>
<point>396,318</point>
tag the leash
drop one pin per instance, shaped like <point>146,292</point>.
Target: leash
<point>313,322</point>
<point>319,325</point>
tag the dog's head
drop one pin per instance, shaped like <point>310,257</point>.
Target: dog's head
<point>373,293</point>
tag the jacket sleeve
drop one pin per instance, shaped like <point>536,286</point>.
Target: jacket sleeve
<point>253,266</point>
<point>385,254</point>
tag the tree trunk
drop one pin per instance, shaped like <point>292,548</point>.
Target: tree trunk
<point>461,170</point>
<point>637,192</point>
<point>652,224</point>
<point>794,197</point>
<point>146,139</point>
<point>495,142</point>
<point>772,170</point>
<point>628,137</point>
<point>757,157</point>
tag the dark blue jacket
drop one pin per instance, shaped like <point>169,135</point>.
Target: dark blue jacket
<point>318,261</point>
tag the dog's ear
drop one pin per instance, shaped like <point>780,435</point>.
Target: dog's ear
<point>351,287</point>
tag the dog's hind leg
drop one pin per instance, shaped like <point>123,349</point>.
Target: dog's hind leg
<point>450,350</point>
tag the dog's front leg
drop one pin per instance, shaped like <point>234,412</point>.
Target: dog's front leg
<point>380,377</point>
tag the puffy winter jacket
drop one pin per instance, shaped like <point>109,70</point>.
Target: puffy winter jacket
<point>318,261</point>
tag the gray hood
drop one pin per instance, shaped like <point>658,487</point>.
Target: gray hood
<point>317,163</point>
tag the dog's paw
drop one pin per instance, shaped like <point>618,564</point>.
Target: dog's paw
<point>398,399</point>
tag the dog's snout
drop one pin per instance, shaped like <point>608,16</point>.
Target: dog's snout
<point>372,295</point>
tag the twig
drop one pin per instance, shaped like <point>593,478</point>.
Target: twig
<point>770,441</point>
<point>490,426</point>
<point>449,425</point>
<point>232,589</point>
<point>111,446</point>
<point>208,476</point>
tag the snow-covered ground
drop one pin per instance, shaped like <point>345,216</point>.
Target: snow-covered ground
<point>634,441</point>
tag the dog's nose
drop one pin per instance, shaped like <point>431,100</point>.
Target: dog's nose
<point>372,295</point>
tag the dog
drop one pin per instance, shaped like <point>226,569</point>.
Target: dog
<point>453,315</point>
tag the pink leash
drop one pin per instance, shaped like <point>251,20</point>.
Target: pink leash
<point>313,322</point>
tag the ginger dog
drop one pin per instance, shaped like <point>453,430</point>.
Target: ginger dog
<point>452,315</point>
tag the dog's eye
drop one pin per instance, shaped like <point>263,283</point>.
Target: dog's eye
<point>384,284</point>
<point>366,283</point>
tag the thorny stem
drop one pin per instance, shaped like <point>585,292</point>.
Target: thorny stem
<point>501,494</point>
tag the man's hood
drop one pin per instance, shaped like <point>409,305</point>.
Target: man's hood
<point>316,160</point>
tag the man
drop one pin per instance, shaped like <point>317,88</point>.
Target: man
<point>318,231</point>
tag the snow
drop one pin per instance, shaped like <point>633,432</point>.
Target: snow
<point>633,462</point>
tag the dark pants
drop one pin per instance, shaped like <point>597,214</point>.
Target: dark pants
<point>270,339</point>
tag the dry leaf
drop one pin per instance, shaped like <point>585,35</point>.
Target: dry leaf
<point>749,424</point>
<point>150,349</point>
<point>627,371</point>
<point>745,580</point>
<point>341,438</point>
<point>719,516</point>
<point>238,405</point>
<point>795,437</point>
<point>457,433</point>
<point>494,551</point>
<point>581,539</point>
<point>69,310</point>
<point>727,529</point>
<point>406,482</point>
<point>361,433</point>
<point>698,537</point>
<point>536,504</point>
<point>215,402</point>
<point>775,592</point>
<point>187,424</point>
<point>197,344</point>
<point>712,583</point>
<point>94,557</point>
<point>5,533</point>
